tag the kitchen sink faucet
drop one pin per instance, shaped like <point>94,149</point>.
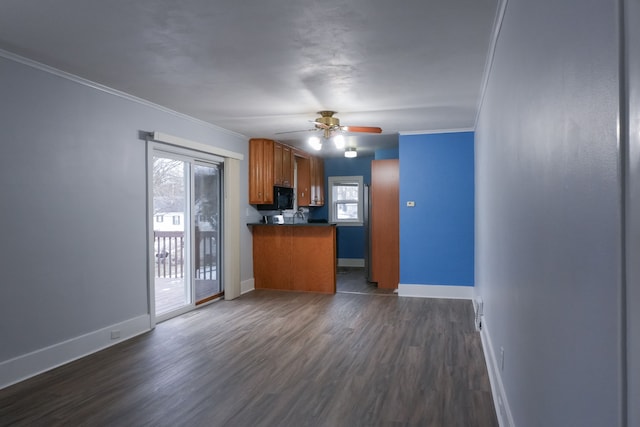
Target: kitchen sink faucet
<point>298,213</point>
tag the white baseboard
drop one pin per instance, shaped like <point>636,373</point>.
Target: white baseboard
<point>350,262</point>
<point>247,286</point>
<point>28,365</point>
<point>436,291</point>
<point>500,402</point>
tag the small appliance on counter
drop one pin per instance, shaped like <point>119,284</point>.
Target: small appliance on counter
<point>273,219</point>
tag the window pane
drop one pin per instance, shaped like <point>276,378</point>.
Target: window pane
<point>172,289</point>
<point>347,211</point>
<point>345,192</point>
<point>207,205</point>
<point>345,199</point>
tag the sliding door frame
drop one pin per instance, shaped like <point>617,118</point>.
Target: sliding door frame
<point>219,231</point>
<point>191,159</point>
<point>230,222</point>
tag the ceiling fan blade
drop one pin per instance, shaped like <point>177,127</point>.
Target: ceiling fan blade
<point>367,129</point>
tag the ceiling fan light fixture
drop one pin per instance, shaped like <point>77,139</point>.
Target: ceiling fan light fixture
<point>315,143</point>
<point>339,141</point>
<point>351,152</point>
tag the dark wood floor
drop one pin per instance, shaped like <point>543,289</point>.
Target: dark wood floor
<point>273,358</point>
<point>353,280</point>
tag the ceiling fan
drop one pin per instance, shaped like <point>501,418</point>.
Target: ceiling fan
<point>328,123</point>
<point>331,128</point>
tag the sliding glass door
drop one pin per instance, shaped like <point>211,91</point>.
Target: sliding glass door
<point>170,196</point>
<point>186,232</point>
<point>207,232</point>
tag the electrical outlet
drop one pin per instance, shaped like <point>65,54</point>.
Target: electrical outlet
<point>115,335</point>
<point>501,358</point>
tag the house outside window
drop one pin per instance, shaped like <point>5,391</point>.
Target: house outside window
<point>176,220</point>
<point>346,200</point>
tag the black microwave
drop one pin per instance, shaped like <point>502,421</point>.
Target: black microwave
<point>282,199</point>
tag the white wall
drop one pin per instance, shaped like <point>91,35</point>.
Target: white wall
<point>632,90</point>
<point>548,213</point>
<point>71,156</point>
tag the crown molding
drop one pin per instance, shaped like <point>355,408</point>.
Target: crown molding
<point>429,132</point>
<point>111,91</point>
<point>497,26</point>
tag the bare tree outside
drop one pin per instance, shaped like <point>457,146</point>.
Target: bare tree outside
<point>168,182</point>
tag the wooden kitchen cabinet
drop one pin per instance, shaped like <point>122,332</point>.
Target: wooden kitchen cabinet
<point>316,174</point>
<point>272,164</point>
<point>261,171</point>
<point>295,257</point>
<point>272,249</point>
<point>283,165</point>
<point>303,192</point>
<point>277,164</point>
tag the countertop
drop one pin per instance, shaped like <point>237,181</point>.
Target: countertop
<point>291,224</point>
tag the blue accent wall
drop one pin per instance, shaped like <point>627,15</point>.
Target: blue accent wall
<point>437,235</point>
<point>387,154</point>
<point>349,240</point>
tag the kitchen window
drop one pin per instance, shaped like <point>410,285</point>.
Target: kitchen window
<point>346,200</point>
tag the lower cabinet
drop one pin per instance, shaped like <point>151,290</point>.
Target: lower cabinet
<point>295,257</point>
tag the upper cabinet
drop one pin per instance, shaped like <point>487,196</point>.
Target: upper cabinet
<point>283,165</point>
<point>316,174</point>
<point>261,171</point>
<point>303,191</point>
<point>272,164</point>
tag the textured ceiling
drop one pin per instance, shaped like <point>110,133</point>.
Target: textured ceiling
<point>263,67</point>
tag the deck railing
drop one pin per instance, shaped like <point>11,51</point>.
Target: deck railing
<point>169,254</point>
<point>169,251</point>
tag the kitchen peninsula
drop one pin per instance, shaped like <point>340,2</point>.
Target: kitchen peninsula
<point>295,257</point>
